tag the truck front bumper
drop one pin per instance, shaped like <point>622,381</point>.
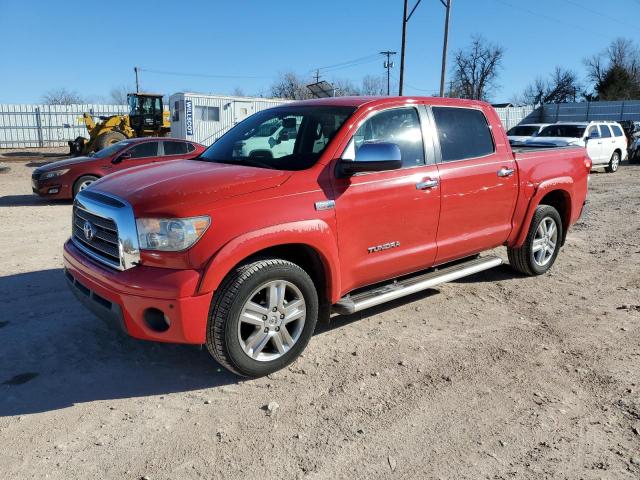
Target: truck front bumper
<point>148,303</point>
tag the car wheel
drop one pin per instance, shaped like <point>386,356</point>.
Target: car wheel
<point>82,183</point>
<point>109,138</point>
<point>614,163</point>
<point>262,317</point>
<point>540,249</point>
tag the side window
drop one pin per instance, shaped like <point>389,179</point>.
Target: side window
<point>146,149</point>
<point>175,148</point>
<point>463,132</point>
<point>617,131</point>
<point>604,131</point>
<point>208,114</point>
<point>591,131</point>
<point>190,147</point>
<point>400,126</point>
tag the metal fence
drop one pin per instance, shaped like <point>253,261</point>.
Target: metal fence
<point>23,126</point>
<point>512,116</point>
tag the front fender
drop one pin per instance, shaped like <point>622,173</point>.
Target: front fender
<point>315,234</point>
<point>563,184</point>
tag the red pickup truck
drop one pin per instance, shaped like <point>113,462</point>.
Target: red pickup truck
<point>245,247</point>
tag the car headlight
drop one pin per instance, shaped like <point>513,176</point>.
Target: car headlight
<point>53,174</point>
<point>170,234</point>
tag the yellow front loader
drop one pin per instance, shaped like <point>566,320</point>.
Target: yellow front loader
<point>146,118</point>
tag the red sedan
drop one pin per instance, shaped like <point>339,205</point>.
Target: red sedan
<point>65,178</point>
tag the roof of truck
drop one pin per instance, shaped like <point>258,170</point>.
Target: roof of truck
<point>359,101</point>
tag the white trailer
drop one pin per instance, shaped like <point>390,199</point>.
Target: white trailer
<point>203,118</point>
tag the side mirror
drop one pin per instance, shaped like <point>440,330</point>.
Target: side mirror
<point>121,157</point>
<point>372,157</point>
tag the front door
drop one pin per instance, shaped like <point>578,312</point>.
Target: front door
<point>387,221</point>
<point>478,182</point>
<point>594,144</point>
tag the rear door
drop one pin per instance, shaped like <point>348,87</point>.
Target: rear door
<point>478,183</point>
<point>387,221</point>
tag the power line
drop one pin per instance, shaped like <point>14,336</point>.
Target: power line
<point>349,63</point>
<point>603,15</point>
<point>542,15</point>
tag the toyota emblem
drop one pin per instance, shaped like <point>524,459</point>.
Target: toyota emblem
<point>89,230</point>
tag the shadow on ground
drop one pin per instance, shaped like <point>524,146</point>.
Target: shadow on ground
<point>55,354</point>
<point>29,200</point>
<point>31,154</point>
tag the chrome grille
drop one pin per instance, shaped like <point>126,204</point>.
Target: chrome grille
<point>104,239</point>
<point>104,229</point>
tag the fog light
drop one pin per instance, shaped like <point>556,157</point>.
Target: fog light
<point>53,190</point>
<point>156,320</point>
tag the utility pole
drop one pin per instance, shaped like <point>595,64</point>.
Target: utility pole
<point>317,75</point>
<point>443,75</point>
<point>405,20</point>
<point>135,69</point>
<point>388,64</point>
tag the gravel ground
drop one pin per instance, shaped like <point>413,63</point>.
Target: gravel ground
<point>497,376</point>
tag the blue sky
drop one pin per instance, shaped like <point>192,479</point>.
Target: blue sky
<point>91,47</point>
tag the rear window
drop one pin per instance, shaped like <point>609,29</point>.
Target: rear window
<point>523,131</point>
<point>175,148</point>
<point>560,130</point>
<point>617,131</point>
<point>463,132</point>
<point>604,131</point>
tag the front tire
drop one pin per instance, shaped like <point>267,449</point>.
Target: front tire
<point>614,163</point>
<point>82,183</point>
<point>540,249</point>
<point>262,317</point>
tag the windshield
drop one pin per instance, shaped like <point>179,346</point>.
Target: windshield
<point>571,131</point>
<point>282,138</point>
<point>110,150</point>
<point>523,131</point>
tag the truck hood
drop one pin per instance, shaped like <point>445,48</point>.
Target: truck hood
<point>558,141</point>
<point>174,188</point>
<point>67,162</point>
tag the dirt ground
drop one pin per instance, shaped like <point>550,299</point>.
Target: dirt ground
<point>497,376</point>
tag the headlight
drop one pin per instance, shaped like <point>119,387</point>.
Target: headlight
<point>170,234</point>
<point>53,174</point>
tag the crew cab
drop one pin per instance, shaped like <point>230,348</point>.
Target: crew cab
<point>605,142</point>
<point>65,178</point>
<point>377,198</point>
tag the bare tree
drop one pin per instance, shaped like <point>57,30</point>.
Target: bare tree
<point>290,85</point>
<point>562,86</point>
<point>344,87</point>
<point>476,68</point>
<point>374,85</point>
<point>61,96</point>
<point>118,95</point>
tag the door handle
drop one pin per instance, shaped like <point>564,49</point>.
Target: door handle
<point>427,184</point>
<point>505,172</point>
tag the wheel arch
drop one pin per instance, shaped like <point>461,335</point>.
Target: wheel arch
<point>309,244</point>
<point>556,193</point>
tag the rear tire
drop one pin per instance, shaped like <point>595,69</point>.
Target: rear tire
<point>614,163</point>
<point>542,245</point>
<point>262,317</point>
<point>82,183</point>
<point>107,139</point>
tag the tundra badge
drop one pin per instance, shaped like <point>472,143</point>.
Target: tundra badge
<point>385,246</point>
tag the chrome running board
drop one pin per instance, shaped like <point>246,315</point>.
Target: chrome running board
<point>397,289</point>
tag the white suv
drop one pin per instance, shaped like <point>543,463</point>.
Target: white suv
<point>605,141</point>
